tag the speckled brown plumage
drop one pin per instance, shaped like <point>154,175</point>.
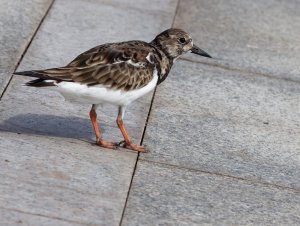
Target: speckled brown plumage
<point>108,65</point>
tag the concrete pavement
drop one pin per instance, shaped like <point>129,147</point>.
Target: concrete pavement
<point>223,133</point>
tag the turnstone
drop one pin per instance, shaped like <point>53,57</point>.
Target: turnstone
<point>116,73</point>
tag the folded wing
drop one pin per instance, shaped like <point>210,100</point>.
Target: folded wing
<point>117,66</point>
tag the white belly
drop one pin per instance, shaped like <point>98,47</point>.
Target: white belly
<point>99,94</point>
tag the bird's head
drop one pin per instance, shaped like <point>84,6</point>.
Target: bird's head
<point>175,42</point>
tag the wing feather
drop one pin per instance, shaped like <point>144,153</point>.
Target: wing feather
<point>120,66</point>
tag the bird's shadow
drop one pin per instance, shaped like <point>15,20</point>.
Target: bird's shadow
<point>51,125</point>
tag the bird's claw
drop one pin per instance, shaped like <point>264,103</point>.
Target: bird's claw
<point>131,146</point>
<point>106,144</point>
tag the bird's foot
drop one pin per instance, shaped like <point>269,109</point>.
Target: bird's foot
<point>131,146</point>
<point>106,144</point>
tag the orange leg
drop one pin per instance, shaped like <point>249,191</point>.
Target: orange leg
<point>100,142</point>
<point>127,142</point>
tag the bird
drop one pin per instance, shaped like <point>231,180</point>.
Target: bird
<point>117,74</point>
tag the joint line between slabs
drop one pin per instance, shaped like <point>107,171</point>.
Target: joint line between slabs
<point>143,135</point>
<point>220,174</point>
<point>26,48</point>
<point>137,157</point>
<point>46,216</point>
<point>148,116</point>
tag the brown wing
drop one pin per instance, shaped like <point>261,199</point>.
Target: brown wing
<point>121,66</point>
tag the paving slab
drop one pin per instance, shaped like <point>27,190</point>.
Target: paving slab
<point>63,179</point>
<point>166,195</point>
<point>161,8</point>
<point>260,36</point>
<point>226,122</point>
<point>19,20</point>
<point>48,170</point>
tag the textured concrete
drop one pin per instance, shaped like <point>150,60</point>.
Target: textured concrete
<point>261,36</point>
<point>18,21</point>
<point>163,195</point>
<point>63,179</point>
<point>227,122</point>
<point>224,143</point>
<point>12,217</point>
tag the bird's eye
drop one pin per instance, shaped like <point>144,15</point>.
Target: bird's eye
<point>181,40</point>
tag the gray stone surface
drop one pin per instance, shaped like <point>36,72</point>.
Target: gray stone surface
<point>18,21</point>
<point>227,122</point>
<point>11,217</point>
<point>224,144</point>
<point>163,195</point>
<point>157,7</point>
<point>63,179</point>
<point>261,36</point>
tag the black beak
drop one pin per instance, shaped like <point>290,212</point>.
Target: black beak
<point>199,51</point>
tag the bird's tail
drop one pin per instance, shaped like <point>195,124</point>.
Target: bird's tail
<point>36,74</point>
<point>48,77</point>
